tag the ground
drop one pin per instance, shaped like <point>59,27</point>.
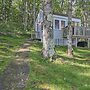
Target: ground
<point>40,74</point>
<point>63,74</point>
<point>16,73</point>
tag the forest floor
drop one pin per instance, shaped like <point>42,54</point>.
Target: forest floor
<point>16,74</point>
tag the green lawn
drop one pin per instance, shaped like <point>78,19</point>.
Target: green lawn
<point>63,74</point>
<point>8,44</point>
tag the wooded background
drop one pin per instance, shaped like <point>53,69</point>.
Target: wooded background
<point>21,14</point>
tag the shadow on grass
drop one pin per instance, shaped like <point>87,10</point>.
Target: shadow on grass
<point>81,55</point>
<point>15,75</point>
<point>45,75</point>
<point>8,44</point>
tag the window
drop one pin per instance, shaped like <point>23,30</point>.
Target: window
<point>77,23</point>
<point>73,23</point>
<point>72,30</point>
<point>56,24</point>
<point>41,27</point>
<point>37,27</point>
<point>62,24</point>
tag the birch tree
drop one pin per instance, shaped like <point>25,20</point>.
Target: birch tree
<point>6,10</point>
<point>48,45</point>
<point>70,49</point>
<point>34,12</point>
<point>9,9</point>
<point>3,9</point>
<point>25,14</point>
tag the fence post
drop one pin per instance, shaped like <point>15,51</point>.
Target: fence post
<point>88,42</point>
<point>76,41</point>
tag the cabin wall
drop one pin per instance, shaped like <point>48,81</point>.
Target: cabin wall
<point>57,32</point>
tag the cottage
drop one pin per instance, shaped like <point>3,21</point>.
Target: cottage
<point>60,24</point>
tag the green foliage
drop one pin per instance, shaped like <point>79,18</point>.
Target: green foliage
<point>60,6</point>
<point>10,28</point>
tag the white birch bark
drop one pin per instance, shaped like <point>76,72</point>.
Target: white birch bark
<point>69,37</point>
<point>48,45</point>
<point>3,10</point>
<point>25,14</point>
<point>34,12</point>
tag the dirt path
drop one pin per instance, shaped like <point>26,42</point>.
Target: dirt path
<point>17,72</point>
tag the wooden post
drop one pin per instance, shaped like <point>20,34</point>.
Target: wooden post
<point>75,30</point>
<point>76,41</point>
<point>88,42</point>
<point>83,31</point>
<point>60,25</point>
<point>31,35</point>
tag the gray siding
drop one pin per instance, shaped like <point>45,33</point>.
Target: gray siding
<point>58,34</point>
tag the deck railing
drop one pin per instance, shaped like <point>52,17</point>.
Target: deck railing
<point>77,31</point>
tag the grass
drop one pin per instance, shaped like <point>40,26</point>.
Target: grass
<point>63,74</point>
<point>8,45</point>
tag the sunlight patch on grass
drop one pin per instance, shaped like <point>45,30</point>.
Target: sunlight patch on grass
<point>81,65</point>
<point>34,49</point>
<point>8,45</point>
<point>60,61</point>
<point>2,56</point>
<point>46,86</point>
<point>85,74</point>
<point>63,74</point>
<point>84,50</point>
<point>78,58</point>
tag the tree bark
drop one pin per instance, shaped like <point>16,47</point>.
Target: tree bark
<point>6,10</point>
<point>70,49</point>
<point>3,10</point>
<point>10,10</point>
<point>25,14</point>
<point>34,12</point>
<point>48,44</point>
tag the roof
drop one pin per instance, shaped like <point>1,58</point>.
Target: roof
<point>56,15</point>
<point>65,15</point>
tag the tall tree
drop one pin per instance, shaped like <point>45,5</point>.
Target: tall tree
<point>3,10</point>
<point>9,9</point>
<point>70,52</point>
<point>25,14</point>
<point>48,45</point>
<point>6,10</point>
<point>34,12</point>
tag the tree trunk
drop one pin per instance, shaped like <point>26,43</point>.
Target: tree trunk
<point>6,10</point>
<point>34,12</point>
<point>10,10</point>
<point>25,14</point>
<point>3,10</point>
<point>48,45</point>
<point>70,49</point>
